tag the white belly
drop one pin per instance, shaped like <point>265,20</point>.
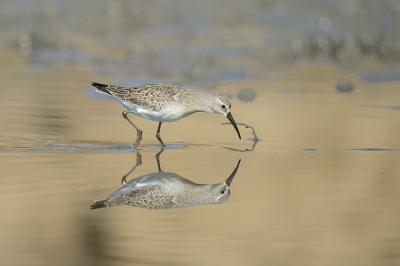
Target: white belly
<point>168,114</point>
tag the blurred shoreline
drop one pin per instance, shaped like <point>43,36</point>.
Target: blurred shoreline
<point>200,44</point>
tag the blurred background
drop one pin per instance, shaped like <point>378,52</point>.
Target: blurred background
<point>318,81</point>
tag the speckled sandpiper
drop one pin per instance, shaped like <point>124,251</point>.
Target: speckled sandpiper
<point>163,190</point>
<point>166,103</point>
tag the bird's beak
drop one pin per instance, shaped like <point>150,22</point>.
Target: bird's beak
<point>230,178</point>
<point>230,117</point>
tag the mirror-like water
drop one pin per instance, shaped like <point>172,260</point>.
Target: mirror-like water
<point>315,96</point>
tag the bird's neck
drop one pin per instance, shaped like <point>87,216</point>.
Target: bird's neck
<point>202,102</point>
<point>200,195</point>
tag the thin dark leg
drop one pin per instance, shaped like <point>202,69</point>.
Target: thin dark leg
<point>158,159</point>
<point>158,134</point>
<point>138,162</point>
<point>139,131</point>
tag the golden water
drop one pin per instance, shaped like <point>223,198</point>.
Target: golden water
<point>321,187</point>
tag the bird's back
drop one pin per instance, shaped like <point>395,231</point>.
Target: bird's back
<point>151,96</point>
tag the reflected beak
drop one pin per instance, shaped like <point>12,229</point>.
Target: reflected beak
<point>230,178</point>
<point>230,117</point>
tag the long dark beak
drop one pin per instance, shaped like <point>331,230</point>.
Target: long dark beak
<point>230,178</point>
<point>230,117</point>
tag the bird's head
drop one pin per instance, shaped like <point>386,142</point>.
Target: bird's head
<point>222,191</point>
<point>222,105</point>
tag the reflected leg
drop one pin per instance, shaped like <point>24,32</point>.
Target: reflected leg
<point>139,131</point>
<point>158,159</point>
<point>138,162</point>
<point>158,134</point>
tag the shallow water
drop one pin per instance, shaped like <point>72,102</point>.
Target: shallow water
<point>317,185</point>
<point>321,182</point>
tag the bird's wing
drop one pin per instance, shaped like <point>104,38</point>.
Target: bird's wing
<point>153,197</point>
<point>152,96</point>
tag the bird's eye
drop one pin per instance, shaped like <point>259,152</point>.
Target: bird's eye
<point>222,191</point>
<point>223,106</point>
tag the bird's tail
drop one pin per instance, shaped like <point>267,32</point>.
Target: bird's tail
<point>102,88</point>
<point>99,204</point>
<point>109,202</point>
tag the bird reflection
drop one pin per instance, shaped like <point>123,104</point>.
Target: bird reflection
<point>164,190</point>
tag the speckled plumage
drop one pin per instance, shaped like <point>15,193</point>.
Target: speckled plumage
<point>166,103</point>
<point>163,190</point>
<point>158,96</point>
<point>152,96</point>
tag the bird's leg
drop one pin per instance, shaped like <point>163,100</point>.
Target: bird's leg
<point>158,159</point>
<point>158,135</point>
<point>138,162</point>
<point>138,157</point>
<point>139,131</point>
